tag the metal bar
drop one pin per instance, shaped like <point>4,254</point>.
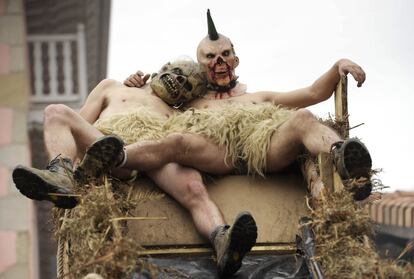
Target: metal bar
<point>67,69</point>
<point>52,69</point>
<point>38,69</point>
<point>82,73</point>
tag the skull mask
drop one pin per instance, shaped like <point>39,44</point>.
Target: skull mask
<point>178,82</point>
<point>216,54</point>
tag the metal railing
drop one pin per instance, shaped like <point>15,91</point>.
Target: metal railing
<point>58,67</point>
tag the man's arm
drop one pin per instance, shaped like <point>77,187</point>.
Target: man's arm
<point>320,90</point>
<point>95,102</point>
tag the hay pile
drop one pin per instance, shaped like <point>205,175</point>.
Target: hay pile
<point>343,233</point>
<point>92,236</point>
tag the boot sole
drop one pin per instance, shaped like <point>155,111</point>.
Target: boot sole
<point>242,238</point>
<point>358,163</point>
<point>100,157</point>
<point>35,188</point>
<point>357,160</point>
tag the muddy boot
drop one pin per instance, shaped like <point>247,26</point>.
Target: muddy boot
<point>232,243</point>
<point>53,184</point>
<point>104,154</point>
<point>352,161</point>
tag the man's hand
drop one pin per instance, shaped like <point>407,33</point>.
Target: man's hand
<point>136,80</point>
<point>346,66</point>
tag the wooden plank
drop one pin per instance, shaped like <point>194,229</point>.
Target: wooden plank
<point>277,249</point>
<point>277,203</point>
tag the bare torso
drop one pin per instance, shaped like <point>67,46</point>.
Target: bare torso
<point>212,100</point>
<point>123,99</point>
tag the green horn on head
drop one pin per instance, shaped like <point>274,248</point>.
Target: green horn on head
<point>212,32</point>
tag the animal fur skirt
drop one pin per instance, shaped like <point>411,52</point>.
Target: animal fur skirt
<point>245,130</point>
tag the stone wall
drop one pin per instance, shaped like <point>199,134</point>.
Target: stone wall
<point>18,241</point>
<point>62,17</point>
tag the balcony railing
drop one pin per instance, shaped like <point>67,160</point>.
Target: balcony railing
<point>58,68</point>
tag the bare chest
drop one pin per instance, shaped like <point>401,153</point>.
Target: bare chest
<point>124,101</point>
<point>212,103</point>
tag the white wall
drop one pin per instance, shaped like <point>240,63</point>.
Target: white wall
<point>285,45</point>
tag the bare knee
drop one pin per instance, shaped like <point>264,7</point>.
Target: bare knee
<point>177,142</point>
<point>302,119</point>
<point>57,113</point>
<point>196,194</point>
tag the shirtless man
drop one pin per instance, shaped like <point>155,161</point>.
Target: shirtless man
<point>68,134</point>
<point>290,135</point>
<point>191,149</point>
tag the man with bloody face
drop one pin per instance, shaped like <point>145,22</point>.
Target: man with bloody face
<point>225,130</point>
<point>216,54</point>
<point>262,132</point>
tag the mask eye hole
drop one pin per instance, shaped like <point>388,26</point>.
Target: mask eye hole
<point>210,55</point>
<point>226,53</point>
<point>177,71</point>
<point>188,86</point>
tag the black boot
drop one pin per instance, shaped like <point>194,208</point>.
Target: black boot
<point>54,184</point>
<point>104,154</point>
<point>353,161</point>
<point>232,243</point>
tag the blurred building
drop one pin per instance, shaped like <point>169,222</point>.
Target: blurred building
<point>50,52</point>
<point>394,216</point>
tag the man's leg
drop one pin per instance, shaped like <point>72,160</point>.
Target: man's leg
<point>66,134</point>
<point>186,186</point>
<point>185,149</point>
<point>231,243</point>
<point>303,130</point>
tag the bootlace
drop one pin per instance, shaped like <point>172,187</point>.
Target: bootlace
<point>218,232</point>
<point>336,145</point>
<point>58,162</point>
<point>333,150</point>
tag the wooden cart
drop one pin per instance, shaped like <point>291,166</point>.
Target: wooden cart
<point>277,203</point>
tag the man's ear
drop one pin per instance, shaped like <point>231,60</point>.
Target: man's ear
<point>236,61</point>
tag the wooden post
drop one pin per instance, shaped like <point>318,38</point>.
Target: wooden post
<point>341,106</point>
<point>326,170</point>
<point>327,173</point>
<point>341,117</point>
<point>314,183</point>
